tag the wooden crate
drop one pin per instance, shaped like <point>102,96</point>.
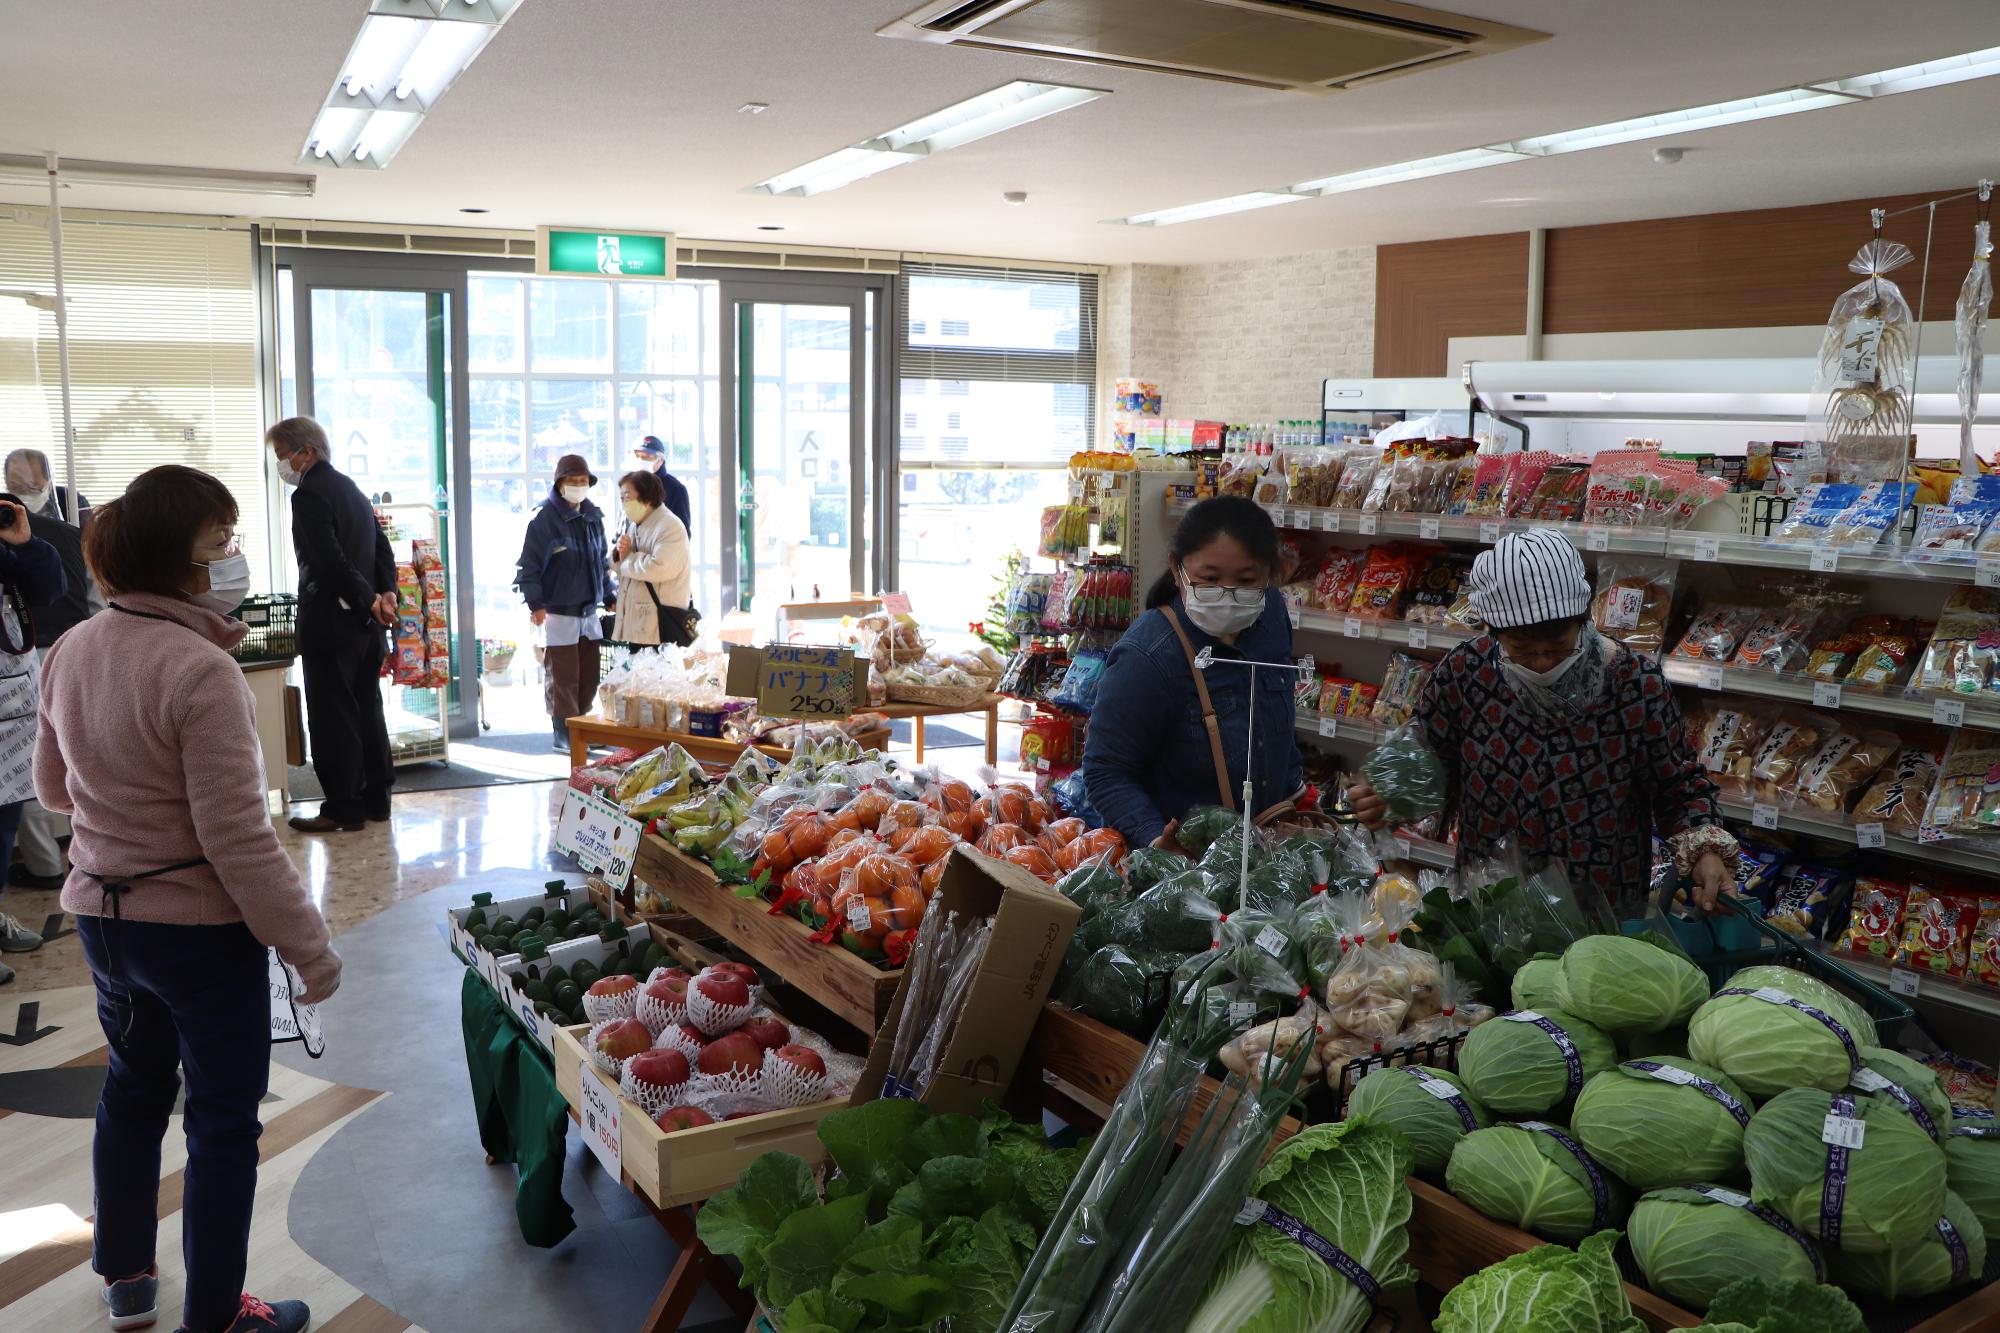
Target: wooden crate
<point>852,988</point>
<point>693,1164</point>
<point>618,907</point>
<point>1097,1060</point>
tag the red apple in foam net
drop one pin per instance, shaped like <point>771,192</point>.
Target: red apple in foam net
<point>676,1118</point>
<point>615,984</point>
<point>723,988</point>
<point>732,1054</point>
<point>679,973</point>
<point>663,1068</point>
<point>690,1035</point>
<point>802,1058</point>
<point>743,970</point>
<point>767,1032</point>
<point>670,991</point>
<point>624,1039</point>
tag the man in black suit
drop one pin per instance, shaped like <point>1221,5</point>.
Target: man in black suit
<point>347,598</point>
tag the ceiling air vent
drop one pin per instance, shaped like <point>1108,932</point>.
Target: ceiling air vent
<point>1298,45</point>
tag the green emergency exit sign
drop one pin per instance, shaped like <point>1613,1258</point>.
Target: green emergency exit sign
<point>615,254</point>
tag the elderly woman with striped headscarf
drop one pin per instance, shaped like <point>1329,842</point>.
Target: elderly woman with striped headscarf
<point>1563,743</point>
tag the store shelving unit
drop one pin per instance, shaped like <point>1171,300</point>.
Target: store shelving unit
<point>1907,705</point>
<point>418,718</point>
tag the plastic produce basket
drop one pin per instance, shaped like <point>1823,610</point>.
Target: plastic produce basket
<point>273,623</point>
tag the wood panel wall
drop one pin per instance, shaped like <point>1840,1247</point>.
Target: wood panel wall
<point>1763,268</point>
<point>1428,292</point>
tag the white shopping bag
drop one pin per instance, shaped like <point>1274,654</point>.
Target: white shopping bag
<point>291,1020</point>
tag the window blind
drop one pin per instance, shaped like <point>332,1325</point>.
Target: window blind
<point>163,359</point>
<point>1012,324</point>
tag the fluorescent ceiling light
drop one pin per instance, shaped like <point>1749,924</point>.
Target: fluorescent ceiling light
<point>406,55</point>
<point>1667,124</point>
<point>1004,108</point>
<point>1235,203</point>
<point>79,171</point>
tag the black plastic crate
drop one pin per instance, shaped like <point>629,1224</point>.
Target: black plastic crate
<point>273,622</point>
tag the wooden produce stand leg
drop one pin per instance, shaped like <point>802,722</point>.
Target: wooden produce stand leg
<point>697,1265</point>
<point>917,728</point>
<point>993,734</point>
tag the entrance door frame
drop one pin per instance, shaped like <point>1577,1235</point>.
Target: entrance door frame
<point>871,402</point>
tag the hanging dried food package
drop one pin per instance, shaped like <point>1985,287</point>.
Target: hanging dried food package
<point>1970,326</point>
<point>1862,391</point>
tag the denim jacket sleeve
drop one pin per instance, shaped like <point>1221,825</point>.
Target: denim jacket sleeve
<point>1123,744</point>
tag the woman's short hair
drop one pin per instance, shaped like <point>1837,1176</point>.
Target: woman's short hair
<point>143,540</point>
<point>647,488</point>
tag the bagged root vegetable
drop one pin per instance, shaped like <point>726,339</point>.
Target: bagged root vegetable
<point>1268,1047</point>
<point>1381,984</point>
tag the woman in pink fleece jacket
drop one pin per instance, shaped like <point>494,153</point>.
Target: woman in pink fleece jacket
<point>148,741</point>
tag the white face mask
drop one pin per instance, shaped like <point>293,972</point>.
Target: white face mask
<point>33,501</point>
<point>575,494</point>
<point>1544,678</point>
<point>636,510</point>
<point>289,473</point>
<point>1222,611</point>
<point>228,584</point>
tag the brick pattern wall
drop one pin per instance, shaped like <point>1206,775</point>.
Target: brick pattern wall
<point>1241,340</point>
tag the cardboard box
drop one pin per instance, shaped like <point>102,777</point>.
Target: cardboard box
<point>1031,929</point>
<point>462,942</point>
<point>568,954</point>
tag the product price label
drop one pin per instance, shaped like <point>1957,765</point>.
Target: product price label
<point>1824,559</point>
<point>1420,637</point>
<point>1708,548</point>
<point>1870,835</point>
<point>1840,1132</point>
<point>1271,940</point>
<point>1708,677</point>
<point>896,603</point>
<point>1351,627</point>
<point>1903,981</point>
<point>1439,1089</point>
<point>599,835</point>
<point>1597,539</point>
<point>859,917</point>
<point>1366,525</point>
<point>1948,712</point>
<point>1987,574</point>
<point>1329,727</point>
<point>1252,1209</point>
<point>1866,1079</point>
<point>1241,1012</point>
<point>1404,848</point>
<point>1489,533</point>
<point>600,1121</point>
<point>1292,613</point>
<point>1276,513</point>
<point>1523,1016</point>
<point>1329,521</point>
<point>1721,1195</point>
<point>1427,528</point>
<point>1826,694</point>
<point>1670,1074</point>
<point>1764,816</point>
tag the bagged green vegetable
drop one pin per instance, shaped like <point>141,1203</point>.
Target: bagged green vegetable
<point>1861,1177</point>
<point>1176,913</point>
<point>1429,1107</point>
<point>1112,987</point>
<point>1692,1241</point>
<point>1406,775</point>
<point>1280,881</point>
<point>1534,1176</point>
<point>1625,983</point>
<point>1531,1061</point>
<point>1093,887</point>
<point>1972,1164</point>
<point>1549,1289</point>
<point>1202,825</point>
<point>1147,866</point>
<point>1951,1255</point>
<point>1663,1122</point>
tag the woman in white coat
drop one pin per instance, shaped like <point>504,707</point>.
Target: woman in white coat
<point>654,568</point>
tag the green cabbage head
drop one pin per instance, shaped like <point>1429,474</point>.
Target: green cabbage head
<point>1654,1128</point>
<point>1895,1180</point>
<point>1926,1268</point>
<point>1523,1177</point>
<point>1691,1245</point>
<point>1768,1047</point>
<point>1538,984</point>
<point>1516,1068</point>
<point>1919,1081</point>
<point>1625,984</point>
<point>1401,1099</point>
<point>1813,991</point>
<point>1972,1167</point>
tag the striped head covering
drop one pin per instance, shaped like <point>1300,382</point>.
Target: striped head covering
<point>1529,577</point>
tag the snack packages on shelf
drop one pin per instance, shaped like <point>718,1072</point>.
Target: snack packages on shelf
<point>1636,488</point>
<point>1964,650</point>
<point>1334,581</point>
<point>1845,514</point>
<point>1312,475</point>
<point>1385,581</point>
<point>1966,799</point>
<point>1402,686</point>
<point>1135,397</point>
<point>1340,697</point>
<point>1634,595</point>
<point>1901,792</point>
<point>1726,738</point>
<point>1064,528</point>
<point>1937,931</point>
<point>1099,596</point>
<point>1777,762</point>
<point>1875,918</point>
<point>1717,632</point>
<point>1800,897</point>
<point>1875,651</point>
<point>1982,963</point>
<point>1027,602</point>
<point>1435,590</point>
<point>656,688</point>
<point>1958,525</point>
<point>1840,769</point>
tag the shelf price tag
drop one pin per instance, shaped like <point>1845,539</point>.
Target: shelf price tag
<point>1404,848</point>
<point>1826,694</point>
<point>1351,627</point>
<point>1948,712</point>
<point>1870,836</point>
<point>1597,539</point>
<point>1366,524</point>
<point>1489,532</point>
<point>1824,559</point>
<point>1427,528</point>
<point>1420,636</point>
<point>1708,677</point>
<point>1902,981</point>
<point>601,1124</point>
<point>1292,610</point>
<point>1987,573</point>
<point>1764,816</point>
<point>1329,727</point>
<point>1329,521</point>
<point>1302,518</point>
<point>1708,548</point>
<point>1840,1132</point>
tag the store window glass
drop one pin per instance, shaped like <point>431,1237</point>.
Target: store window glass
<point>498,444</point>
<point>571,326</point>
<point>571,417</point>
<point>494,312</point>
<point>1000,311</point>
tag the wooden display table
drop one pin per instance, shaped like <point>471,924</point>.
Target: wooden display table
<point>990,706</point>
<point>591,729</point>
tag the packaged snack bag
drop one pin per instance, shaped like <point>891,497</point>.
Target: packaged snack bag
<point>1967,797</point>
<point>434,585</point>
<point>1815,512</point>
<point>409,667</point>
<point>1456,484</point>
<point>1725,740</point>
<point>1901,792</point>
<point>1957,525</point>
<point>1615,498</point>
<point>1937,931</point>
<point>1875,922</point>
<point>1965,647</point>
<point>1633,597</point>
<point>1436,587</point>
<point>1799,900</point>
<point>1716,633</point>
<point>1841,767</point>
<point>1384,583</point>
<point>1780,640</point>
<point>1982,960</point>
<point>1884,660</point>
<point>1357,480</point>
<point>1336,696</point>
<point>1525,473</point>
<point>1484,497</point>
<point>409,591</point>
<point>1333,586</point>
<point>1402,686</point>
<point>1872,514</point>
<point>1792,740</point>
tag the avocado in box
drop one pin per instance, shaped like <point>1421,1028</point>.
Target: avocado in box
<point>547,986</point>
<point>1004,999</point>
<point>487,931</point>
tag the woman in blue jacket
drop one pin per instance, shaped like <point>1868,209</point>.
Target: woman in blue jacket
<point>564,576</point>
<point>1165,737</point>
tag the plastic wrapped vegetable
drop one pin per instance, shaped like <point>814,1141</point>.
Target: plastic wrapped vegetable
<point>1406,775</point>
<point>1093,887</point>
<point>1282,881</point>
<point>1147,866</point>
<point>1112,987</point>
<point>1203,825</point>
<point>1381,984</point>
<point>1260,952</point>
<point>1270,1045</point>
<point>1176,913</point>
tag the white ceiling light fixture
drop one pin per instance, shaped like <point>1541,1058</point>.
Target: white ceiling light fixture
<point>407,54</point>
<point>1816,96</point>
<point>80,171</point>
<point>1004,108</point>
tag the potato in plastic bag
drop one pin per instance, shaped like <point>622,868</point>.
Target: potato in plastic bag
<point>1267,1048</point>
<point>1378,980</point>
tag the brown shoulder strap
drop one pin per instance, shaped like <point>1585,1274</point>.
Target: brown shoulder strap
<point>1207,710</point>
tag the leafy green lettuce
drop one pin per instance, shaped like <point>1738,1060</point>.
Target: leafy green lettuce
<point>1549,1289</point>
<point>1346,1182</point>
<point>1773,1305</point>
